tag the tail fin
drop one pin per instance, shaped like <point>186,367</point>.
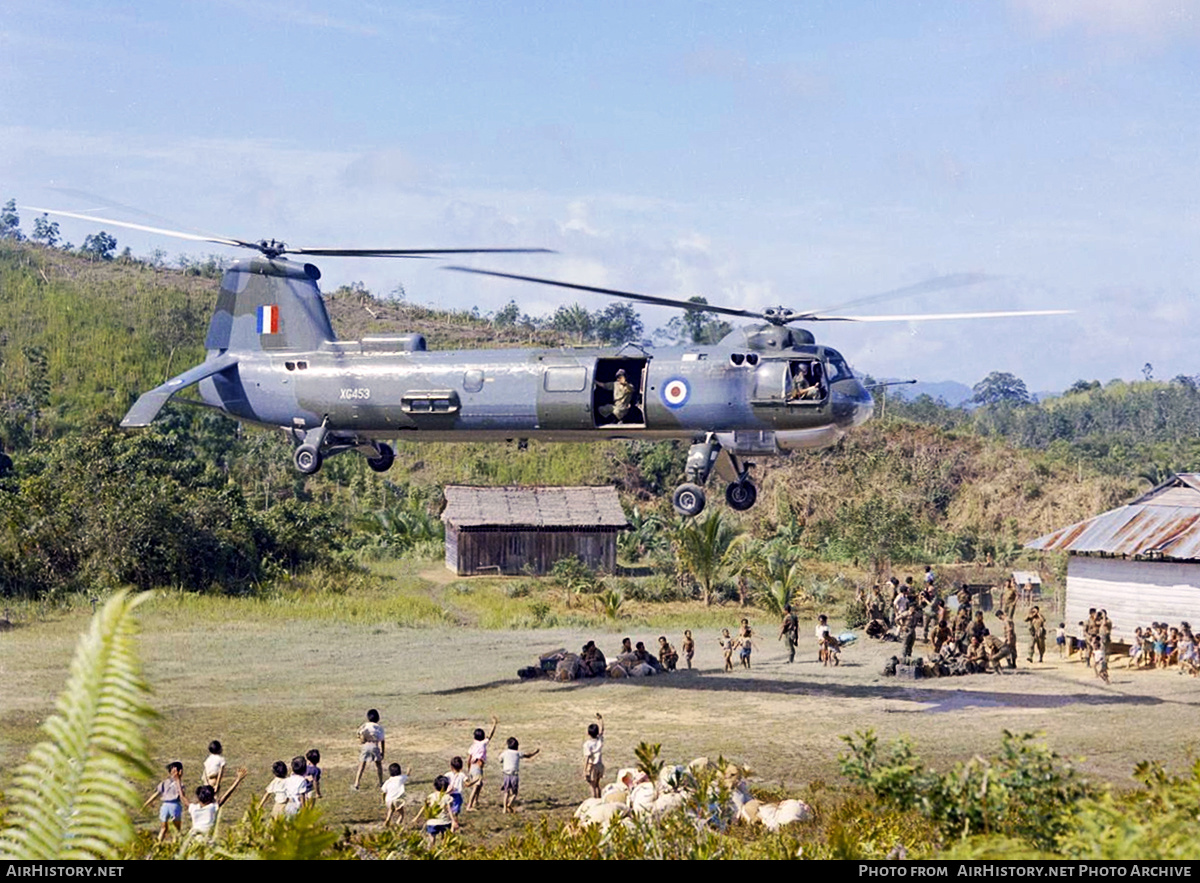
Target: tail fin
<point>269,304</point>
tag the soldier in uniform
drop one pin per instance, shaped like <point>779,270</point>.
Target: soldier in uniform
<point>1010,637</point>
<point>1037,633</point>
<point>997,650</point>
<point>875,604</point>
<point>964,599</point>
<point>977,658</point>
<point>1008,599</point>
<point>623,394</point>
<point>907,622</point>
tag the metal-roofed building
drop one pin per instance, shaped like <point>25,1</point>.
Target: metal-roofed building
<point>1140,562</point>
<point>517,530</point>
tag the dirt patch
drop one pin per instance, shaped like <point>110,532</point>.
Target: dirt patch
<point>271,690</point>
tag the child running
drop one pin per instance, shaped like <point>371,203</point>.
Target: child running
<point>204,811</point>
<point>745,643</point>
<point>593,755</point>
<point>688,647</point>
<point>214,766</point>
<point>371,736</point>
<point>726,643</point>
<point>393,794</point>
<point>170,791</point>
<point>277,788</point>
<point>313,773</point>
<point>476,760</point>
<point>439,811</point>
<point>510,766</point>
<point>297,787</point>
<point>458,781</point>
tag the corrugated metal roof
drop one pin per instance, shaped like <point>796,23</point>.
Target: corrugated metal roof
<point>1164,522</point>
<point>1020,577</point>
<point>533,507</point>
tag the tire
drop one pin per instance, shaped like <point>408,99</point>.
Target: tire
<point>384,461</point>
<point>307,459</point>
<point>688,500</point>
<point>741,495</point>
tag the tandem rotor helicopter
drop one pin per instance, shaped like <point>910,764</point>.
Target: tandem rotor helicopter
<point>274,360</point>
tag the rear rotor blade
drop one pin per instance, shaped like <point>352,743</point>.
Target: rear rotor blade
<point>628,295</point>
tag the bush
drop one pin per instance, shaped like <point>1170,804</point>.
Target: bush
<point>1027,793</point>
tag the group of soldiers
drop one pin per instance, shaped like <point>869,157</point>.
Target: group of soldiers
<point>959,638</point>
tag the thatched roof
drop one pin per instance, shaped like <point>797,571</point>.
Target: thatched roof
<point>534,507</point>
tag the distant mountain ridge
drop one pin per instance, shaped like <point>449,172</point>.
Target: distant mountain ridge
<point>950,391</point>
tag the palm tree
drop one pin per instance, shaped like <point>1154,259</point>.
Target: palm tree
<point>644,535</point>
<point>708,549</point>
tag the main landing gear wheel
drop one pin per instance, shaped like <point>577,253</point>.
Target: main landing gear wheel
<point>688,500</point>
<point>740,495</point>
<point>384,461</point>
<point>307,459</point>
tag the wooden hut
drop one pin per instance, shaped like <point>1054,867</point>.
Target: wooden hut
<point>1140,563</point>
<point>526,530</point>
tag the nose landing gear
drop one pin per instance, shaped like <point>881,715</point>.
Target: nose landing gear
<point>703,457</point>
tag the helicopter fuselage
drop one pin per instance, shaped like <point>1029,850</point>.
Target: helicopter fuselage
<point>392,387</point>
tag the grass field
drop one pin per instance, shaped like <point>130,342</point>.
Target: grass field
<point>272,678</point>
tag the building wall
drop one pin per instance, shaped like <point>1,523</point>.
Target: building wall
<point>513,551</point>
<point>1135,593</point>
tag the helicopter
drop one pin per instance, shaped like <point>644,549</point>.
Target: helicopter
<point>274,360</point>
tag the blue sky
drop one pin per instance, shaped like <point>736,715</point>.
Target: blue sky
<point>755,153</point>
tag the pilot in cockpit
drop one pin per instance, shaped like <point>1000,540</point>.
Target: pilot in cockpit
<point>802,387</point>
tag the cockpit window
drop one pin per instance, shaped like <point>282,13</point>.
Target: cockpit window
<point>838,370</point>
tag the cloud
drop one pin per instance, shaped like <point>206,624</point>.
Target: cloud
<point>1152,21</point>
<point>384,169</point>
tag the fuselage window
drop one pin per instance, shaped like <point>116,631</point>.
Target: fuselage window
<point>565,379</point>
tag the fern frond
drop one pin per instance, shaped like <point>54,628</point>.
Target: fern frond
<point>71,797</point>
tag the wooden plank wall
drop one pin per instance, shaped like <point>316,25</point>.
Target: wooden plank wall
<point>512,552</point>
<point>1135,593</point>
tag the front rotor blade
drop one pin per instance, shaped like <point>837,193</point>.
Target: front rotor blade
<point>628,295</point>
<point>938,283</point>
<point>409,252</point>
<point>219,240</point>
<point>933,317</point>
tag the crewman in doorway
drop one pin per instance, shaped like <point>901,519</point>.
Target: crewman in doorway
<point>623,395</point>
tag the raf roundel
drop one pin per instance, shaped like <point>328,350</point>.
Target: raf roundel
<point>675,393</point>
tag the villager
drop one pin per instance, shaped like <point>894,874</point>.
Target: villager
<point>593,755</point>
<point>689,647</point>
<point>745,644</point>
<point>667,656</point>
<point>789,631</point>
<point>726,643</point>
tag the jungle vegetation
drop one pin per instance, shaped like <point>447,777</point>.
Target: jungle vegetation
<point>200,504</point>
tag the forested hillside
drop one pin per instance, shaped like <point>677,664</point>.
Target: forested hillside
<point>199,503</point>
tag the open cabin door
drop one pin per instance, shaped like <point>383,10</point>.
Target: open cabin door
<point>620,400</point>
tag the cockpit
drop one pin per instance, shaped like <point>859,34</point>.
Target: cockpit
<point>801,381</point>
